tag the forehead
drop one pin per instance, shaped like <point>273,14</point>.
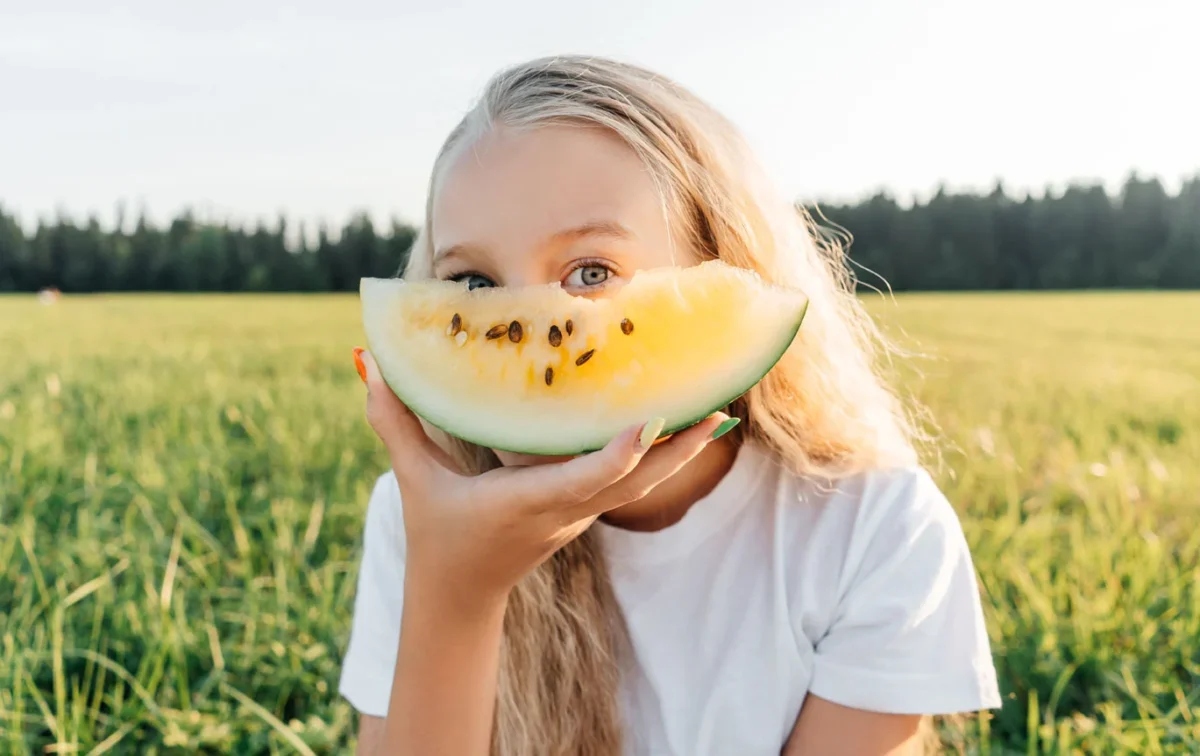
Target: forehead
<point>516,187</point>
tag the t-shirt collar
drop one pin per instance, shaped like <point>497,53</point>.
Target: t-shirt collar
<point>705,517</point>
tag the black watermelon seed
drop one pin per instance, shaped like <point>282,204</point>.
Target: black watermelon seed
<point>549,375</point>
<point>626,326</point>
<point>585,356</point>
<point>496,332</point>
<point>455,324</point>
<point>515,332</point>
<point>570,327</point>
<point>555,336</point>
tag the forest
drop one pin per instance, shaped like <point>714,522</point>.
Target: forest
<point>1078,238</point>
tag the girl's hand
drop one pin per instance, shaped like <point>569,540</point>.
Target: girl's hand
<point>470,539</point>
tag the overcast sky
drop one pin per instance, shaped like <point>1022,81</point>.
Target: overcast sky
<point>244,109</point>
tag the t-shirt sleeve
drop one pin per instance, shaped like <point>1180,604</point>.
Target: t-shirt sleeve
<point>370,659</point>
<point>907,634</point>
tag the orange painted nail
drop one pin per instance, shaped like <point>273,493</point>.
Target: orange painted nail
<point>358,363</point>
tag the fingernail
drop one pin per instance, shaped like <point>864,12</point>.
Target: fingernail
<point>650,431</point>
<point>725,427</point>
<point>358,363</point>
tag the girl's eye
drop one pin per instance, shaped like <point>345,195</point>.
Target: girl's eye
<point>474,281</point>
<point>588,275</point>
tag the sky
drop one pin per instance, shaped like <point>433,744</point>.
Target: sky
<point>243,110</point>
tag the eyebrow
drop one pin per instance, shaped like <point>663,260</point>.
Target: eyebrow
<point>611,229</point>
<point>599,228</point>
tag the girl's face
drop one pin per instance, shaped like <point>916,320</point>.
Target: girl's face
<point>565,204</point>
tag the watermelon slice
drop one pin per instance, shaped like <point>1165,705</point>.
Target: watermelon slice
<point>536,370</point>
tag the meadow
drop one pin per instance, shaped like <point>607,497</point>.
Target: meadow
<point>183,481</point>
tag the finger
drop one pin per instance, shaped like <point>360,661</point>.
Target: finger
<point>660,463</point>
<point>578,480</point>
<point>412,451</point>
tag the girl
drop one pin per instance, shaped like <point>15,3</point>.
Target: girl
<point>794,584</point>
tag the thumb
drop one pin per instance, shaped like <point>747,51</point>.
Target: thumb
<point>409,448</point>
<point>391,419</point>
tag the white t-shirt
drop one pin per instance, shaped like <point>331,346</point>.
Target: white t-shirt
<point>770,588</point>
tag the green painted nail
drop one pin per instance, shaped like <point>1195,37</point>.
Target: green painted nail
<point>725,427</point>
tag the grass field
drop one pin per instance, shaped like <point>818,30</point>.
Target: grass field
<point>183,479</point>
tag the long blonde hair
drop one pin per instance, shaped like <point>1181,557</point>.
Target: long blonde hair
<point>823,410</point>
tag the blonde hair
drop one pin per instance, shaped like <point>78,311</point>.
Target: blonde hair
<point>823,410</point>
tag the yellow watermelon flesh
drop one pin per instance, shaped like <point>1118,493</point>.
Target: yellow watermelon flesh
<point>537,370</point>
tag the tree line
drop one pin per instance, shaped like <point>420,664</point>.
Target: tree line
<point>1079,238</point>
<point>188,255</point>
<point>1083,237</point>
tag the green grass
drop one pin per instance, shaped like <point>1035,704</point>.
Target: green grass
<point>183,479</point>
